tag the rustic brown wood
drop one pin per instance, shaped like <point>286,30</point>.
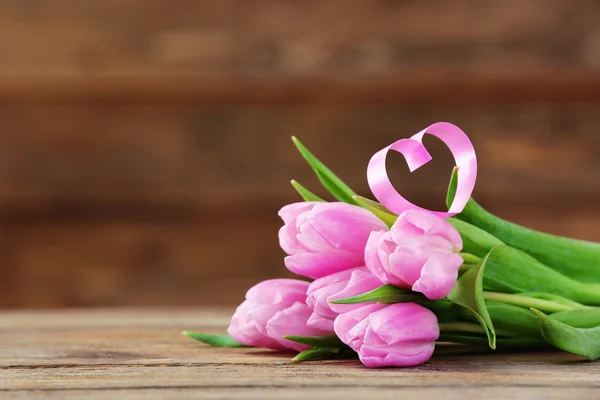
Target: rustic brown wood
<point>214,262</point>
<point>273,51</point>
<point>289,38</point>
<point>175,205</point>
<point>180,156</point>
<point>131,132</point>
<point>432,86</point>
<point>209,261</point>
<point>133,354</point>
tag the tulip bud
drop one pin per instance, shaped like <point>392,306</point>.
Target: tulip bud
<point>324,238</point>
<point>272,309</point>
<point>419,252</point>
<point>337,286</point>
<point>398,335</point>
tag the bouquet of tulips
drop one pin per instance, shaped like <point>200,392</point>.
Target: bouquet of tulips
<point>389,280</point>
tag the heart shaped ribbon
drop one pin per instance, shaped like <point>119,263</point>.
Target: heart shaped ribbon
<point>416,156</point>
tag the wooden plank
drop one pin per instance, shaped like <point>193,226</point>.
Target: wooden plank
<point>214,262</point>
<point>297,393</point>
<point>276,371</point>
<point>198,158</point>
<point>205,262</point>
<point>132,353</point>
<point>88,38</point>
<point>149,198</point>
<point>425,85</point>
<point>378,37</point>
<point>285,51</point>
<point>117,318</point>
<point>111,39</point>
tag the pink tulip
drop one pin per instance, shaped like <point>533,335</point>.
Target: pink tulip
<point>324,238</point>
<point>341,285</point>
<point>420,252</point>
<point>398,335</point>
<point>272,309</point>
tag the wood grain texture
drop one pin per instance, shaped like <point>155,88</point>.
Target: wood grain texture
<point>289,38</point>
<point>274,51</point>
<point>152,199</point>
<point>91,354</point>
<point>150,264</point>
<point>132,133</point>
<point>179,156</point>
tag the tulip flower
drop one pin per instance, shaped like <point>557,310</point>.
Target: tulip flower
<point>419,252</point>
<point>337,286</point>
<point>272,309</point>
<point>325,238</point>
<point>398,335</point>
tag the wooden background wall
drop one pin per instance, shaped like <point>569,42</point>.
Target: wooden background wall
<point>144,144</point>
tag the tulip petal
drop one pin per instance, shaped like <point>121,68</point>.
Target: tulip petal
<point>431,225</point>
<point>244,329</point>
<point>319,322</point>
<point>376,254</point>
<point>317,265</point>
<point>361,281</point>
<point>344,323</point>
<point>438,276</point>
<point>404,322</point>
<point>407,355</point>
<point>288,240</point>
<point>282,292</point>
<point>310,237</point>
<point>292,321</point>
<point>345,226</point>
<point>290,212</point>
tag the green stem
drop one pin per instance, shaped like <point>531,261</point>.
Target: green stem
<point>510,270</point>
<point>469,327</point>
<point>461,327</point>
<point>527,302</point>
<point>502,344</point>
<point>464,268</point>
<point>469,258</point>
<point>577,259</point>
<point>475,240</point>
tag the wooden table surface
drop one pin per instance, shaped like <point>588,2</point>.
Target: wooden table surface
<point>140,354</point>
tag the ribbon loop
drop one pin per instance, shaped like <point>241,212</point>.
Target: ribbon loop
<point>416,156</point>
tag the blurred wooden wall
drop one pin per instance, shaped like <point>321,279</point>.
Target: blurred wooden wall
<point>144,144</point>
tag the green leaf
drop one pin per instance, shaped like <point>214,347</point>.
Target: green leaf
<point>379,210</point>
<point>524,301</point>
<point>444,309</point>
<point>330,181</point>
<point>386,294</point>
<point>452,187</point>
<point>469,258</point>
<point>582,341</point>
<point>214,340</point>
<point>502,344</point>
<point>318,353</point>
<point>580,318</point>
<point>306,194</point>
<point>577,259</point>
<point>475,240</point>
<point>518,321</point>
<point>468,293</point>
<point>330,341</point>
<point>513,271</point>
<point>553,298</point>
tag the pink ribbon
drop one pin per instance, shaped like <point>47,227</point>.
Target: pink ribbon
<point>416,155</point>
